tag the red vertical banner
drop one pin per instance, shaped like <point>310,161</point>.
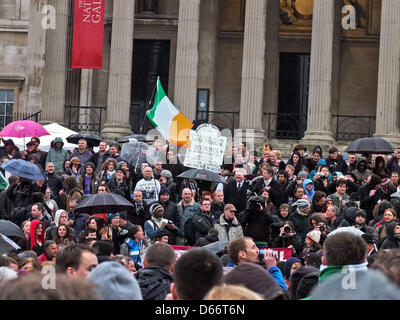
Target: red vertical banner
<point>87,43</point>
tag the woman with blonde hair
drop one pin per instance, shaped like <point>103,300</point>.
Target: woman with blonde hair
<point>232,292</point>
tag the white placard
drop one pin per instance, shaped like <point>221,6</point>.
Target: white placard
<point>207,148</point>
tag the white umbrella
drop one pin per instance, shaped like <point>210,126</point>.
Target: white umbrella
<point>55,130</point>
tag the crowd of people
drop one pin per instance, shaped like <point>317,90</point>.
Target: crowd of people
<point>331,211</point>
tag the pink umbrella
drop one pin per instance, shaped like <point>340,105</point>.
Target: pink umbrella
<point>23,129</point>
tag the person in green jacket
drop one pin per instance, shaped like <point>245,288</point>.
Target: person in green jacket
<point>57,155</point>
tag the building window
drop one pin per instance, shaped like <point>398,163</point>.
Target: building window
<point>6,107</point>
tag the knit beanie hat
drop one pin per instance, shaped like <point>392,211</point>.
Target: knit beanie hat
<point>163,190</point>
<point>111,216</point>
<point>297,276</point>
<point>385,181</point>
<point>314,235</point>
<point>114,282</point>
<point>256,278</point>
<point>166,173</point>
<point>154,208</point>
<point>360,213</point>
<point>288,265</point>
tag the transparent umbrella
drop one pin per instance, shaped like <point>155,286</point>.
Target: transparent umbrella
<point>136,152</point>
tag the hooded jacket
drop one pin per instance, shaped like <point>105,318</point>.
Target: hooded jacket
<point>154,282</point>
<point>57,156</point>
<point>94,183</point>
<point>362,175</point>
<point>391,242</point>
<point>32,244</point>
<point>310,194</point>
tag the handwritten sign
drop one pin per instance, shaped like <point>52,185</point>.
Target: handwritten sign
<point>207,148</point>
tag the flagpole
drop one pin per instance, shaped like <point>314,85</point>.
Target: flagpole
<point>149,105</point>
<point>144,119</point>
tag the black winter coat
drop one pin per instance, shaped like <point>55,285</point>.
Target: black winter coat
<point>139,214</point>
<point>154,282</point>
<point>256,224</point>
<point>201,224</point>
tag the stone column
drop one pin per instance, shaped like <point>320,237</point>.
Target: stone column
<point>387,112</point>
<point>271,87</point>
<point>119,84</point>
<point>207,48</point>
<point>55,69</point>
<point>253,72</point>
<point>320,99</point>
<point>35,57</point>
<point>187,58</point>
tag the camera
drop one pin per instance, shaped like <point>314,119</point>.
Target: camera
<point>322,228</point>
<point>261,254</point>
<point>287,229</point>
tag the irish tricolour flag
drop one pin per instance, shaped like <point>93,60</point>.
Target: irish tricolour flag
<point>172,124</point>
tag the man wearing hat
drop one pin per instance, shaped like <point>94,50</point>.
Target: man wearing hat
<point>228,226</point>
<point>385,187</point>
<point>156,223</point>
<point>300,217</point>
<point>5,151</point>
<point>371,247</point>
<point>114,230</point>
<point>170,213</point>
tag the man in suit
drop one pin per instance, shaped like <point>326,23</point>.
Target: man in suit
<point>274,187</point>
<point>235,192</point>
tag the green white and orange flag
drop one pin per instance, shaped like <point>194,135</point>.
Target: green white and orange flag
<point>167,119</point>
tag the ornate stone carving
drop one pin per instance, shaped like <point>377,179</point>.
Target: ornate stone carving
<point>294,11</point>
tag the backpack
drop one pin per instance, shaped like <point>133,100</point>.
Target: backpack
<point>190,233</point>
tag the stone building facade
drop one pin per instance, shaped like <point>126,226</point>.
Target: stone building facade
<point>286,69</point>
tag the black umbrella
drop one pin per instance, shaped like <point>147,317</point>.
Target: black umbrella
<point>103,203</point>
<point>138,137</point>
<point>7,245</point>
<point>370,145</point>
<point>91,139</point>
<point>217,246</point>
<point>202,174</point>
<point>10,229</point>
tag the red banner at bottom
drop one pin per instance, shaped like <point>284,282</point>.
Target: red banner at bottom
<point>282,253</point>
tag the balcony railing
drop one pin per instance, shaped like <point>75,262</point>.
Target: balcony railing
<point>293,126</point>
<point>352,127</point>
<point>89,119</point>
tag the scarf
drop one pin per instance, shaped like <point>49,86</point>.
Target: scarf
<point>327,271</point>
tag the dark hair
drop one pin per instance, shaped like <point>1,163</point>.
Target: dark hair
<point>344,248</point>
<point>39,206</point>
<point>340,182</point>
<point>388,261</point>
<point>160,255</point>
<point>195,273</point>
<point>69,236</point>
<point>70,256</point>
<point>103,248</point>
<point>133,230</point>
<point>318,195</point>
<point>333,150</point>
<point>283,172</point>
